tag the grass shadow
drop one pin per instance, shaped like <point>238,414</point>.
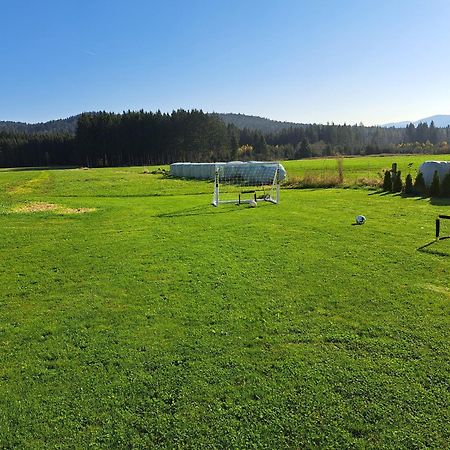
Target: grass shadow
<point>31,169</point>
<point>440,201</point>
<point>400,194</point>
<point>209,210</point>
<point>154,194</point>
<point>198,211</point>
<point>426,249</point>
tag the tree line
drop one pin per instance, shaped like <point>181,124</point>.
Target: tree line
<point>141,138</point>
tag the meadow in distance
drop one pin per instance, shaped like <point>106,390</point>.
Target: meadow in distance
<point>136,315</point>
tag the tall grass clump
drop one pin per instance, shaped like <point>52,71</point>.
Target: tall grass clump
<point>314,180</point>
<point>340,170</point>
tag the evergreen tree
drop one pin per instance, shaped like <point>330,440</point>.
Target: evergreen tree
<point>408,188</point>
<point>445,186</point>
<point>397,183</point>
<point>387,182</point>
<point>234,148</point>
<point>304,150</point>
<point>260,146</point>
<point>435,186</point>
<point>419,184</point>
<point>410,133</point>
<point>423,132</point>
<point>433,133</point>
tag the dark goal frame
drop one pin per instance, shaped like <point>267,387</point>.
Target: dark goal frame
<point>438,227</point>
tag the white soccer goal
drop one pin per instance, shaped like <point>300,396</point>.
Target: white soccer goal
<point>247,182</point>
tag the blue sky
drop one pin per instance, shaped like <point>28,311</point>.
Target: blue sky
<point>304,61</point>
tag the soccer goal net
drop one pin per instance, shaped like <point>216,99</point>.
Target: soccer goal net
<point>247,182</point>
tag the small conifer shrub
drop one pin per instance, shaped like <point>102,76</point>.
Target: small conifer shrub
<point>419,184</point>
<point>435,186</point>
<point>445,186</point>
<point>408,188</point>
<point>387,181</point>
<point>397,183</point>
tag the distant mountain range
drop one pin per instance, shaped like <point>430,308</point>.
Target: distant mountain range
<point>440,121</point>
<point>67,125</point>
<point>257,123</point>
<point>262,124</point>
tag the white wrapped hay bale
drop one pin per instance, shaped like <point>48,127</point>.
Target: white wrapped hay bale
<point>256,172</point>
<point>429,167</point>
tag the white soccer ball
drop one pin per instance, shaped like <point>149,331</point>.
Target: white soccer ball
<point>252,204</point>
<point>360,220</point>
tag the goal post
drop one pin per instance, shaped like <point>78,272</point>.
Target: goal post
<point>247,182</point>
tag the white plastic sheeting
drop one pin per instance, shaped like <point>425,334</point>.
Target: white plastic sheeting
<point>253,172</point>
<point>429,167</point>
<point>202,171</point>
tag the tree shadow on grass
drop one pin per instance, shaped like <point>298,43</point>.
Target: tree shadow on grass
<point>416,197</point>
<point>381,193</point>
<point>440,201</point>
<point>200,211</point>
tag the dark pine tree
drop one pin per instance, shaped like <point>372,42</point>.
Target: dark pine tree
<point>304,150</point>
<point>397,183</point>
<point>419,184</point>
<point>445,186</point>
<point>387,181</point>
<point>433,133</point>
<point>408,188</point>
<point>435,186</point>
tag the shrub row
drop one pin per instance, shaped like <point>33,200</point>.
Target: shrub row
<point>392,182</point>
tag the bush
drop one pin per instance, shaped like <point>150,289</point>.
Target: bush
<point>408,188</point>
<point>435,186</point>
<point>419,185</point>
<point>397,183</point>
<point>445,186</point>
<point>387,181</point>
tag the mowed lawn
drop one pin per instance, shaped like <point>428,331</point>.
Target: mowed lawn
<point>153,320</point>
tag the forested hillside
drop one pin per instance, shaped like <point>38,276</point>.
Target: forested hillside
<point>67,125</point>
<point>256,123</point>
<point>139,137</point>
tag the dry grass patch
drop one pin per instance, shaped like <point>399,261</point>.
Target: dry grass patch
<point>32,185</point>
<point>314,180</point>
<point>37,207</point>
<point>328,179</point>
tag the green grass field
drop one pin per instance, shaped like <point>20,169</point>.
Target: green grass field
<point>153,320</point>
<point>367,167</point>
